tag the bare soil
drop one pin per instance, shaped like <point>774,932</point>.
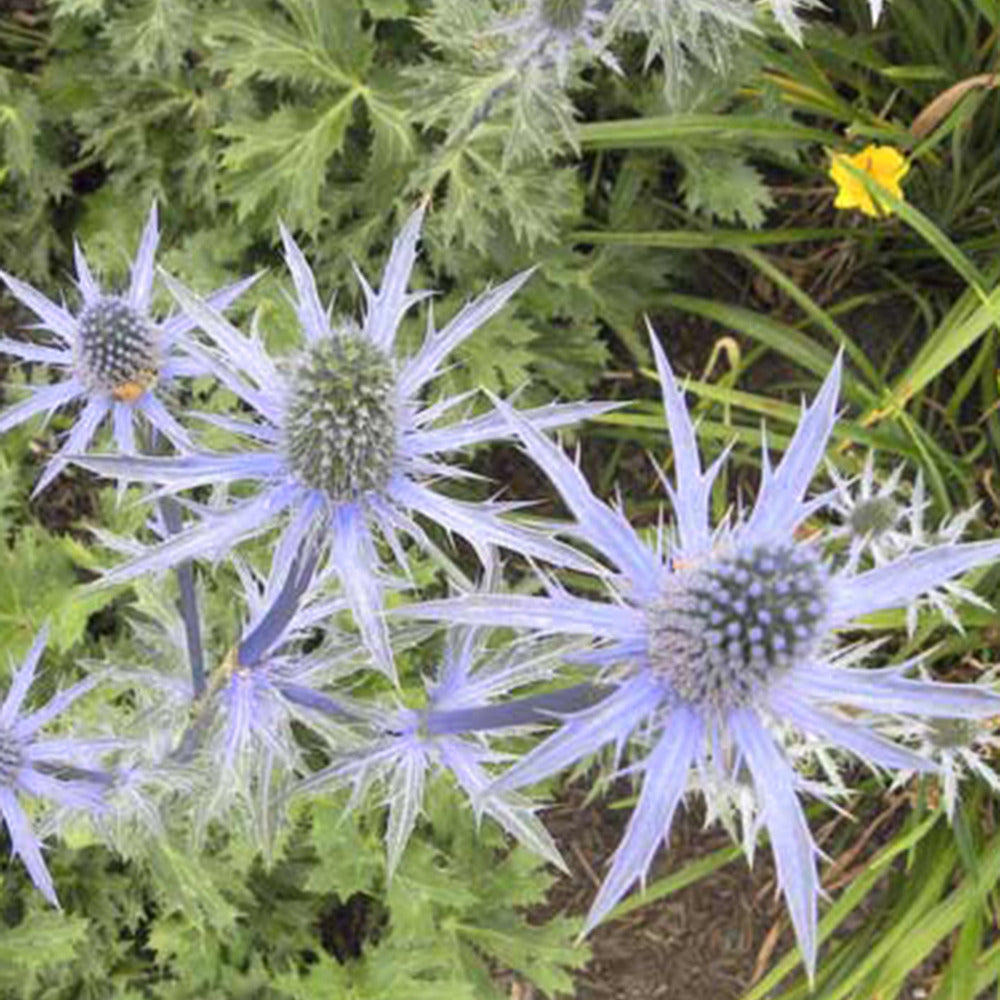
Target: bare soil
<point>709,940</point>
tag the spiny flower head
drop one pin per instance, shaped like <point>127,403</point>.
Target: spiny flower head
<point>117,349</point>
<point>341,422</point>
<point>234,741</point>
<point>563,15</point>
<point>961,748</point>
<point>113,353</point>
<point>887,521</point>
<point>343,440</point>
<point>61,770</point>
<point>886,167</point>
<point>550,33</point>
<point>722,630</point>
<point>405,746</point>
<point>721,650</point>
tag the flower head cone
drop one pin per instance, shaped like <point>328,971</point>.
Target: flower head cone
<point>342,444</point>
<point>116,358</point>
<point>720,644</point>
<point>60,770</point>
<point>884,165</point>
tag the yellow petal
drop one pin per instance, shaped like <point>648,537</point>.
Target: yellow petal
<point>885,165</point>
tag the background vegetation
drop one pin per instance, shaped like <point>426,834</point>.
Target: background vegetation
<point>703,204</point>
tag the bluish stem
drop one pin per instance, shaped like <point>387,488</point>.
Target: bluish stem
<point>523,711</point>
<point>70,772</point>
<point>254,646</point>
<point>252,649</point>
<point>187,602</point>
<point>309,698</point>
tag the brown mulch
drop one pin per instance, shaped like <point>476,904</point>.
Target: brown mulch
<point>703,941</point>
<point>715,938</point>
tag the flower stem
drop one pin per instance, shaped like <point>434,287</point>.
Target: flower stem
<point>534,709</point>
<point>187,602</point>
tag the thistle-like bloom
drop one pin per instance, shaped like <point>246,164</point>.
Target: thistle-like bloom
<point>871,514</point>
<point>882,525</point>
<point>343,439</point>
<point>720,644</point>
<point>407,745</point>
<point>60,770</point>
<point>886,167</point>
<point>116,357</point>
<point>550,32</point>
<point>238,732</point>
<point>267,683</point>
<point>961,748</point>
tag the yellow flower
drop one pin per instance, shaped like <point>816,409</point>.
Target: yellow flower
<point>885,165</point>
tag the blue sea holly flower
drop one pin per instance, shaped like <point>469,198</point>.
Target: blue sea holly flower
<point>882,522</point>
<point>343,440</point>
<point>407,745</point>
<point>60,769</point>
<point>720,644</point>
<point>960,747</point>
<point>116,358</point>
<point>234,743</point>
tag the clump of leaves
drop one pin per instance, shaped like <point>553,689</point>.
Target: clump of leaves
<point>320,918</point>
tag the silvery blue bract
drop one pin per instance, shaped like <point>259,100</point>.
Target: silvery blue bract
<point>720,643</point>
<point>58,769</point>
<point>343,442</point>
<point>114,354</point>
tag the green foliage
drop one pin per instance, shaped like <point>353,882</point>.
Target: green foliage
<point>39,584</point>
<point>39,578</point>
<point>727,188</point>
<point>337,117</point>
<point>320,920</point>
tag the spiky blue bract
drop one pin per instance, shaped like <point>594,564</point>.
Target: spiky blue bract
<point>117,359</point>
<point>61,770</point>
<point>550,33</point>
<point>235,742</point>
<point>406,746</point>
<point>267,682</point>
<point>373,460</point>
<point>719,642</point>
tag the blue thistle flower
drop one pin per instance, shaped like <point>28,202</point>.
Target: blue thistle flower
<point>405,745</point>
<point>881,523</point>
<point>960,747</point>
<point>114,354</point>
<point>234,740</point>
<point>266,681</point>
<point>721,642</point>
<point>342,441</point>
<point>59,769</point>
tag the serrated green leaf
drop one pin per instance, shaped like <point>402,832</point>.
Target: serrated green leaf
<point>393,142</point>
<point>347,860</point>
<point>311,43</point>
<point>155,34</point>
<point>724,186</point>
<point>541,953</point>
<point>42,939</point>
<point>19,116</point>
<point>387,8</point>
<point>35,578</point>
<point>188,884</point>
<point>282,160</point>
